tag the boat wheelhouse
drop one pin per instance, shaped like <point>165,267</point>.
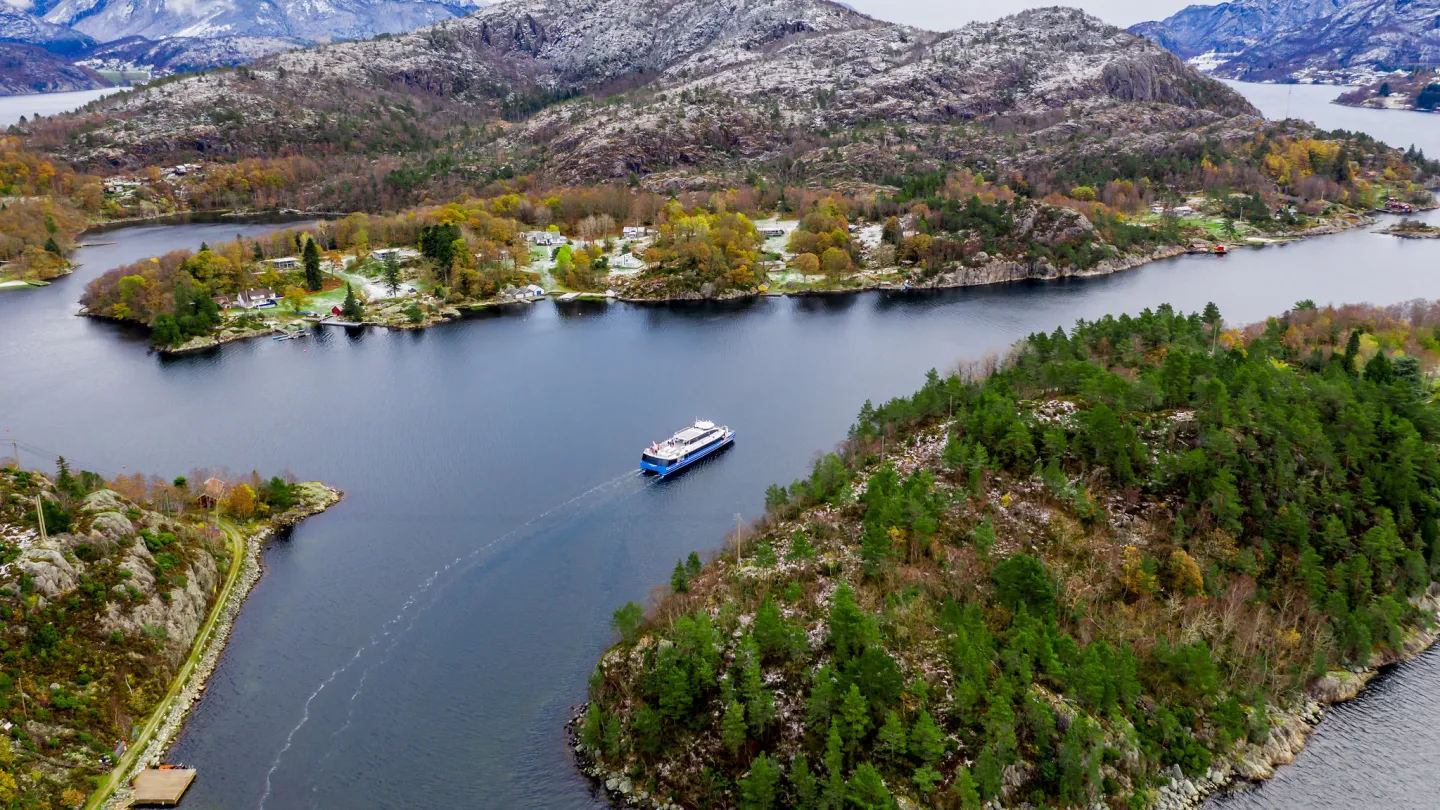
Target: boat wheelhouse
<point>686,447</point>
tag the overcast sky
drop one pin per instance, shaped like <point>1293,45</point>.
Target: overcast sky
<point>942,15</point>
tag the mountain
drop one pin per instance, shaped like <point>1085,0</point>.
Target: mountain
<point>183,54</point>
<point>1303,39</point>
<point>28,69</point>
<point>310,20</point>
<point>695,85</point>
<point>18,25</point>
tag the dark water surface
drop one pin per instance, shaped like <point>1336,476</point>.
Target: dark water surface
<point>421,644</point>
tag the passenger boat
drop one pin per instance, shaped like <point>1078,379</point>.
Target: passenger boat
<point>686,447</point>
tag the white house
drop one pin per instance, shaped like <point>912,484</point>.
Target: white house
<point>771,232</point>
<point>634,232</point>
<point>534,290</point>
<point>284,263</point>
<point>250,299</point>
<point>546,238</point>
<point>1182,210</point>
<point>385,254</point>
<point>626,261</point>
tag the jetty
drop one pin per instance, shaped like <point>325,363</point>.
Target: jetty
<point>161,787</point>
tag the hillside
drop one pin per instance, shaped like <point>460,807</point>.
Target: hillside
<point>27,69</point>
<point>1330,40</point>
<point>1115,569</point>
<point>600,89</point>
<point>102,606</point>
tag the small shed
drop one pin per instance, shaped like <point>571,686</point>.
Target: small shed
<point>534,290</point>
<point>162,786</point>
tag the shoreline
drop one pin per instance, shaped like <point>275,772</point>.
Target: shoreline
<point>995,271</point>
<point>209,646</point>
<point>1290,728</point>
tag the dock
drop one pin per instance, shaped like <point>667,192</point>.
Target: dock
<point>570,296</point>
<point>162,787</point>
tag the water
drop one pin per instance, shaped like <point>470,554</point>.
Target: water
<point>1378,751</point>
<point>1311,102</point>
<point>12,107</point>
<point>421,644</point>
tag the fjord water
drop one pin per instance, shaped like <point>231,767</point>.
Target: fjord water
<point>421,644</point>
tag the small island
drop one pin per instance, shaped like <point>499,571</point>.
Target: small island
<point>118,596</point>
<point>1411,229</point>
<point>1124,567</point>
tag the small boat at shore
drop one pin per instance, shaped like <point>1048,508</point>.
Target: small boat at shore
<point>686,447</point>
<point>1220,250</point>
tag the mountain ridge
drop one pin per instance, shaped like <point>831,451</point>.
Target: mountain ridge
<point>1328,40</point>
<point>657,86</point>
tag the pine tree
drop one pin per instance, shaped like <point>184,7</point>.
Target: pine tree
<point>927,741</point>
<point>987,773</point>
<point>855,717</point>
<point>259,253</point>
<point>732,727</point>
<point>800,548</point>
<point>890,740</point>
<point>802,783</point>
<point>692,565</point>
<point>679,581</point>
<point>53,246</point>
<point>351,309</point>
<point>760,789</point>
<point>311,259</point>
<point>966,793</point>
<point>391,275</point>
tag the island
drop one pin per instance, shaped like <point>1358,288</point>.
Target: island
<point>1412,229</point>
<point>1126,565</point>
<point>118,597</point>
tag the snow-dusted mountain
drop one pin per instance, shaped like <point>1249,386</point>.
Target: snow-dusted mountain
<point>312,20</point>
<point>1278,39</point>
<point>594,89</point>
<point>19,25</point>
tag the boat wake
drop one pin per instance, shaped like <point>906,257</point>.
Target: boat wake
<point>389,635</point>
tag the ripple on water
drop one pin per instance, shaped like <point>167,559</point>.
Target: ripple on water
<point>1380,751</point>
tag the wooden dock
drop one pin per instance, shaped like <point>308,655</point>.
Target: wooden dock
<point>162,787</point>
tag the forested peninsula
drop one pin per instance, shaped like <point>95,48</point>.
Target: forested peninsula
<point>1119,568</point>
<point>118,596</point>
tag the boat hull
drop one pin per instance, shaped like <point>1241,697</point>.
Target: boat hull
<point>664,471</point>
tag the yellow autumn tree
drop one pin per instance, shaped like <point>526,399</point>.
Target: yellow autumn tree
<point>241,502</point>
<point>1182,574</point>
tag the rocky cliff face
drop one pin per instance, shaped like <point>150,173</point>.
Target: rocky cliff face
<point>1274,39</point>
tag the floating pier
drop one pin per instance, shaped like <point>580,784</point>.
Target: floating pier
<point>162,787</point>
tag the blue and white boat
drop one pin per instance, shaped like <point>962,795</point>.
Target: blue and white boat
<point>686,447</point>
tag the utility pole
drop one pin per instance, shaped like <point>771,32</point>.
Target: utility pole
<point>14,443</point>
<point>737,539</point>
<point>40,517</point>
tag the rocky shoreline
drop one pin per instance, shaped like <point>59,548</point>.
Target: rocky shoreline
<point>1290,730</point>
<point>316,498</point>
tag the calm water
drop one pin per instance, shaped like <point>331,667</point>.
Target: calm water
<point>421,644</point>
<point>12,107</point>
<point>1311,102</point>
